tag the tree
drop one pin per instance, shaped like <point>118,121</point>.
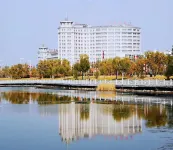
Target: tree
<point>140,67</point>
<point>124,65</point>
<point>156,62</point>
<point>76,69</point>
<point>4,72</point>
<point>116,65</point>
<point>42,68</point>
<point>52,68</point>
<point>19,71</point>
<point>96,74</point>
<point>84,64</point>
<point>56,68</point>
<point>65,68</point>
<point>25,70</point>
<point>103,67</point>
<point>34,72</point>
<point>169,69</point>
<point>106,67</point>
<point>132,69</point>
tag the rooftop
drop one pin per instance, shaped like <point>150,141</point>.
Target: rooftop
<point>122,25</point>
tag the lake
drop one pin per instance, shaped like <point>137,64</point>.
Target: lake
<point>49,119</point>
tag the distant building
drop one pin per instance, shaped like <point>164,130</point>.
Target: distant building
<point>46,54</point>
<point>99,42</point>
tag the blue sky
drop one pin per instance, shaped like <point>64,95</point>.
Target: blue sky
<point>27,24</point>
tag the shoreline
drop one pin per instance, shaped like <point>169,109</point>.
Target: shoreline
<point>123,90</point>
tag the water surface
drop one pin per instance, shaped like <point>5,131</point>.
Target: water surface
<point>41,119</point>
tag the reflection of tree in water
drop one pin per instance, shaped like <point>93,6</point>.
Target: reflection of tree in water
<point>17,97</point>
<point>106,95</point>
<point>121,112</point>
<point>155,117</point>
<point>170,116</point>
<point>41,98</point>
<point>84,112</point>
<point>52,99</point>
<point>140,111</point>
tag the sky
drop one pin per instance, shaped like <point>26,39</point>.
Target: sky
<point>27,24</point>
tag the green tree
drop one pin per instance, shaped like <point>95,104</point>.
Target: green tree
<point>84,64</point>
<point>96,74</point>
<point>65,68</point>
<point>52,68</point>
<point>76,69</point>
<point>169,69</point>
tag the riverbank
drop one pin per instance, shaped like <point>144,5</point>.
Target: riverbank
<point>126,85</point>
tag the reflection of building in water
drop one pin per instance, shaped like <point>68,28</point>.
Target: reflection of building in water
<point>48,110</point>
<point>97,120</point>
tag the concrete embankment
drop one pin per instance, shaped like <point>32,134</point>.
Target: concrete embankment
<point>124,85</point>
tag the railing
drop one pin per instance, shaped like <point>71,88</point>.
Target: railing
<point>147,83</point>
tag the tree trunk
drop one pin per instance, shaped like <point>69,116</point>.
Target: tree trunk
<point>116,75</point>
<point>122,75</point>
<point>82,75</point>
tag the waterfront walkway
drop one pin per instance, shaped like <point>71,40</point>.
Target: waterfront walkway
<point>126,84</point>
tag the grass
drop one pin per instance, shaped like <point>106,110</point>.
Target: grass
<point>158,77</point>
<point>106,87</point>
<point>113,77</point>
<point>5,79</point>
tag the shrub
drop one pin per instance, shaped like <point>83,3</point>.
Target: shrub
<point>106,87</point>
<point>97,74</point>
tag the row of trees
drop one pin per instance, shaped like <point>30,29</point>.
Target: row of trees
<point>54,68</point>
<point>44,69</point>
<point>152,63</point>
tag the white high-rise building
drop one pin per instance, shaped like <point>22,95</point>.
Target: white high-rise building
<point>98,42</point>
